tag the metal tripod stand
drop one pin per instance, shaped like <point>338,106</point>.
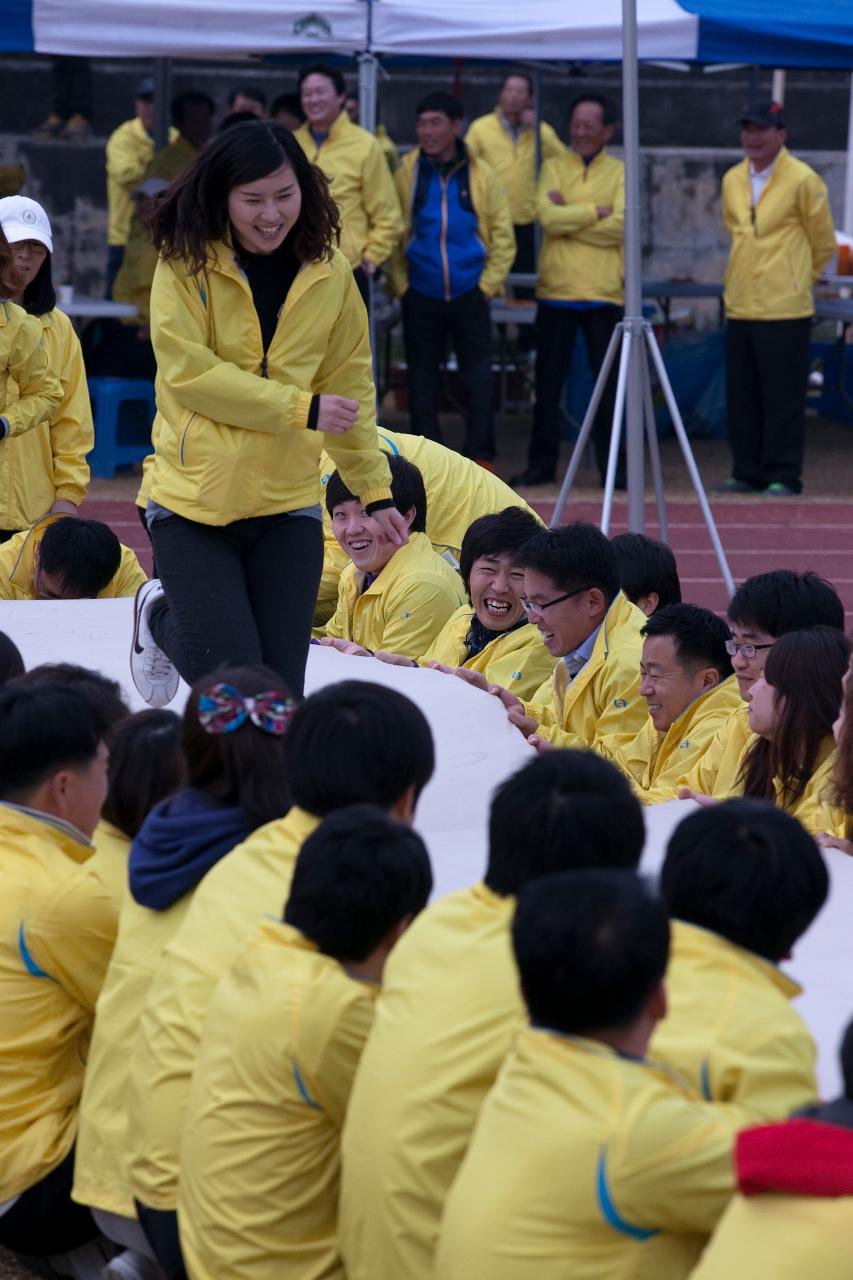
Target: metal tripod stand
<point>638,347</point>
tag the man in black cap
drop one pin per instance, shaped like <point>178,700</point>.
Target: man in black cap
<point>129,151</point>
<point>776,210</point>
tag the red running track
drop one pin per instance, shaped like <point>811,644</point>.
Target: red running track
<point>757,536</point>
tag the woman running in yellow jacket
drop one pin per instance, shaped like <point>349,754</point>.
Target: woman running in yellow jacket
<point>45,469</point>
<point>29,390</point>
<point>789,755</point>
<point>263,356</point>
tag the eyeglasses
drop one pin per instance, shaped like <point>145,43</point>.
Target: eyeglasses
<point>530,607</point>
<point>746,650</point>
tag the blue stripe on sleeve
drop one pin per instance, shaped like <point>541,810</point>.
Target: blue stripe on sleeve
<point>29,963</point>
<point>305,1095</point>
<point>609,1211</point>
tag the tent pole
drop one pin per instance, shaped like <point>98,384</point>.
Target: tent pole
<point>634,442</point>
<point>162,98</point>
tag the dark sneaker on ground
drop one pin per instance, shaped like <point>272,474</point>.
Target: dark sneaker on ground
<point>779,490</point>
<point>734,486</point>
<point>153,673</point>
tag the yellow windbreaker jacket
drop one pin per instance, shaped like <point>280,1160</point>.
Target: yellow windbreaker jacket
<point>604,697</point>
<point>260,1159</point>
<point>458,491</point>
<point>251,881</point>
<point>230,435</point>
<point>585,1164</point>
<point>655,761</point>
<point>780,247</point>
<point>449,1010</point>
<point>129,151</point>
<point>362,187</point>
<point>518,660</point>
<point>781,1237</point>
<point>716,770</point>
<point>18,567</point>
<point>494,223</point>
<point>581,258</point>
<point>57,928</point>
<point>731,1029</point>
<point>49,462</point>
<point>101,1177</point>
<point>109,861</point>
<point>24,361</point>
<point>513,159</point>
<point>406,604</point>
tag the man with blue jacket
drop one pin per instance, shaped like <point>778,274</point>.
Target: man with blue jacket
<point>458,248</point>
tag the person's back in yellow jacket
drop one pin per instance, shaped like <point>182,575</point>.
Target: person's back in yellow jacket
<point>24,362</point>
<point>793,1216</point>
<point>458,491</point>
<point>742,882</point>
<point>587,1160</point>
<point>362,187</point>
<point>451,1008</point>
<point>48,464</point>
<point>22,577</point>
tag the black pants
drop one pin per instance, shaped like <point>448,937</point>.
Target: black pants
<point>161,1228</point>
<point>427,324</point>
<point>238,594</point>
<point>525,260</point>
<point>556,329</point>
<point>45,1220</point>
<point>767,370</point>
<point>115,257</point>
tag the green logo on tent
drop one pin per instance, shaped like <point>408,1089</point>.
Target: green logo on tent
<point>314,26</point>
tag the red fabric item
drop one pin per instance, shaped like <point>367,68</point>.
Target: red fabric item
<point>797,1157</point>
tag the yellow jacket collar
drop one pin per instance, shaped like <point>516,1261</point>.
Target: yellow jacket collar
<point>416,548</point>
<point>595,163</point>
<point>693,940</point>
<point>18,820</point>
<point>24,570</point>
<point>223,258</point>
<point>725,691</point>
<point>285,935</point>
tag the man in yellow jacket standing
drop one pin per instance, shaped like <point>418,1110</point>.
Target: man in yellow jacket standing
<point>506,140</point>
<point>459,246</point>
<point>355,165</point>
<point>776,210</point>
<point>581,205</point>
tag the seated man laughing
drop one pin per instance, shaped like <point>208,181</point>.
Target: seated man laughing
<point>392,598</point>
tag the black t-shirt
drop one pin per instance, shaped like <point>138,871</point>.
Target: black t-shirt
<point>270,276</point>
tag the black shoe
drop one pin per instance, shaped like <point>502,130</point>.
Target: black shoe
<point>533,475</point>
<point>735,486</point>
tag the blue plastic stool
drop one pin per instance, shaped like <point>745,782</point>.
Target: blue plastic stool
<point>123,409</point>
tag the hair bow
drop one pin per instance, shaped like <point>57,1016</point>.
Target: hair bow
<point>223,709</point>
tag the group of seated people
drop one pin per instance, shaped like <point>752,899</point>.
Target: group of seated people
<point>239,1040</point>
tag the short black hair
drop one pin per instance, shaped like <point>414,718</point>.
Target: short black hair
<point>40,295</point>
<point>445,103</point>
<point>519,75</point>
<point>190,98</point>
<point>608,111</point>
<point>564,809</point>
<point>11,662</point>
<point>44,727</point>
<point>247,91</point>
<point>502,533</point>
<point>591,947</point>
<point>83,554</point>
<point>145,766</point>
<point>407,491</point>
<point>356,742</point>
<point>289,102</point>
<point>104,695</point>
<point>698,634</point>
<point>235,117</point>
<point>646,566</point>
<point>357,876</point>
<point>323,69</point>
<point>783,601</point>
<point>747,870</point>
<point>574,555</point>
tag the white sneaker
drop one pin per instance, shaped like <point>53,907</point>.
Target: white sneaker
<point>86,1263</point>
<point>153,673</point>
<point>131,1265</point>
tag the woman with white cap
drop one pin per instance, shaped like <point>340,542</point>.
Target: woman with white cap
<point>44,470</point>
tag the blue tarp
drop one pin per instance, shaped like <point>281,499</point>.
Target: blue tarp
<point>775,33</point>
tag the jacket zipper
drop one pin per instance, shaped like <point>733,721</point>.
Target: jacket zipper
<point>445,261</point>
<point>184,436</point>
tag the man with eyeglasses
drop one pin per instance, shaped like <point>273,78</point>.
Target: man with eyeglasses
<point>572,595</point>
<point>763,608</point>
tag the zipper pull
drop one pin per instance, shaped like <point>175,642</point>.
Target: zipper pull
<point>264,373</point>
